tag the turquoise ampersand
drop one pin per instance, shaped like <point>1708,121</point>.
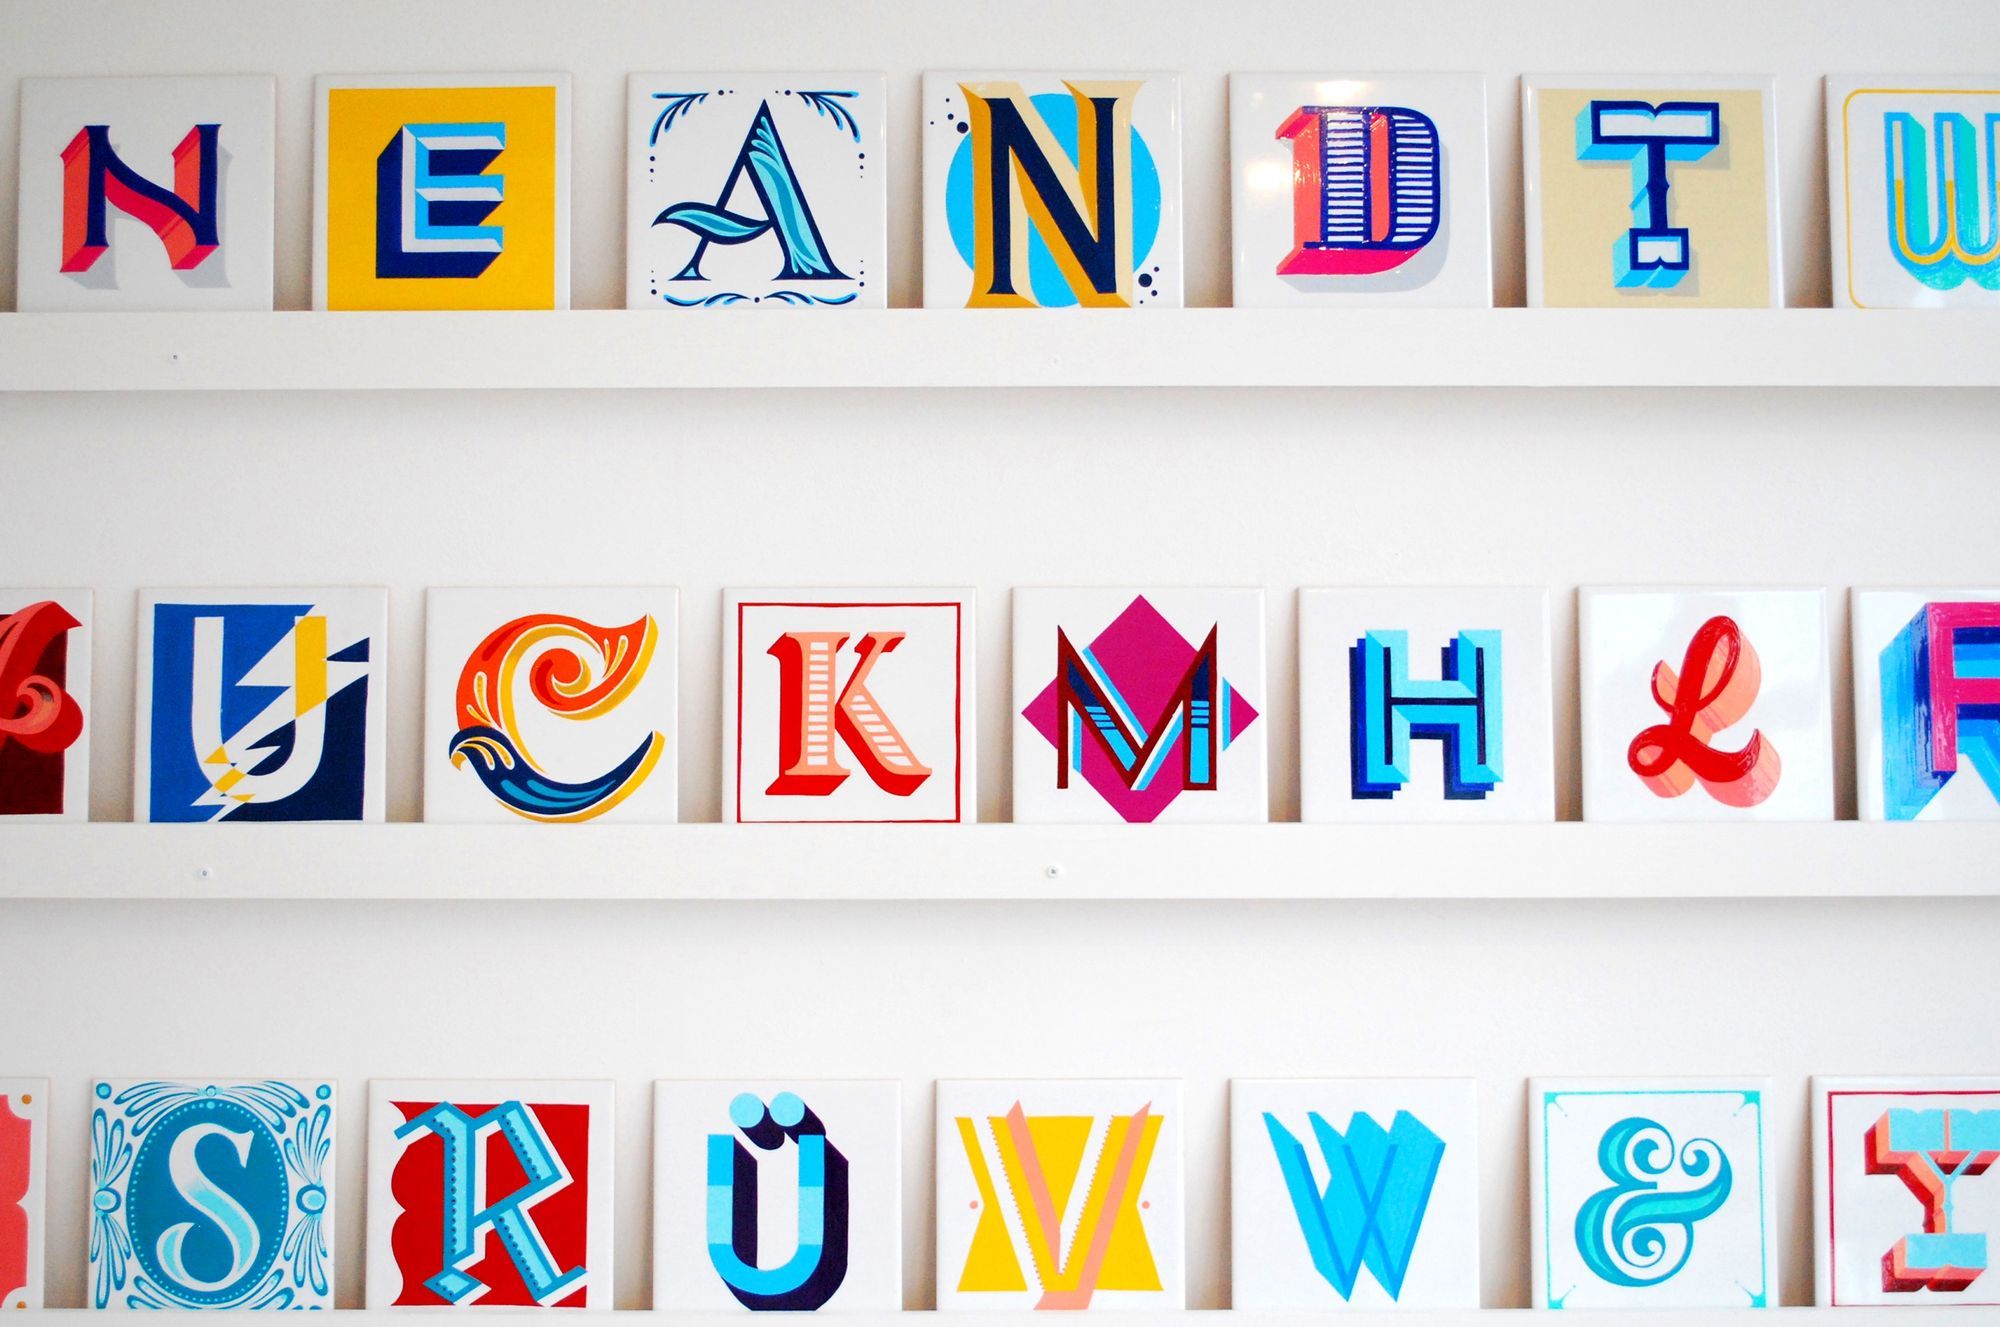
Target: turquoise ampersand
<point>1635,1233</point>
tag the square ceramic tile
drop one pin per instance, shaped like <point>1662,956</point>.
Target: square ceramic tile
<point>1351,190</point>
<point>1354,1193</point>
<point>778,1196</point>
<point>1012,218</point>
<point>261,705</point>
<point>24,1145</point>
<point>1425,705</point>
<point>848,705</point>
<point>1927,703</point>
<point>555,706</point>
<point>45,652</point>
<point>146,193</point>
<point>1752,741</point>
<point>212,1194</point>
<point>490,1194</point>
<point>1649,192</point>
<point>1651,1193</point>
<point>750,190</point>
<point>441,191</point>
<point>1060,1194</point>
<point>1913,190</point>
<point>1906,1198</point>
<point>1139,705</point>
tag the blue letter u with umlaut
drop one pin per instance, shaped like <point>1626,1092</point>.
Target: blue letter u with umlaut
<point>809,1278</point>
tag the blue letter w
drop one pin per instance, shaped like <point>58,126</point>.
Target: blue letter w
<point>1378,1185</point>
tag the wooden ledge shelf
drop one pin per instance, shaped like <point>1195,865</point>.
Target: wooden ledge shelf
<point>848,863</point>
<point>914,348</point>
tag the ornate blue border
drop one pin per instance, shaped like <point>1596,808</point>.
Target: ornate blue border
<point>1761,1297</point>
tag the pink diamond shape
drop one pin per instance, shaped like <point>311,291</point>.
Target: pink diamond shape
<point>1145,658</point>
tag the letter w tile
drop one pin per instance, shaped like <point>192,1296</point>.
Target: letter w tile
<point>1378,1187</point>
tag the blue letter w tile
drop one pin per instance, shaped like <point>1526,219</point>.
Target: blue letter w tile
<point>1378,1185</point>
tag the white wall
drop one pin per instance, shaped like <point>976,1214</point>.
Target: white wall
<point>1278,488</point>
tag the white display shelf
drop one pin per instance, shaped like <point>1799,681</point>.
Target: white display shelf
<point>769,348</point>
<point>1792,1317</point>
<point>998,862</point>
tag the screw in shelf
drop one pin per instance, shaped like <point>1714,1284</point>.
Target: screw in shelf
<point>204,873</point>
<point>1052,871</point>
<point>174,357</point>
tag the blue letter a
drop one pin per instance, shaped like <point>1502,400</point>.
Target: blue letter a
<point>787,217</point>
<point>1378,1187</point>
